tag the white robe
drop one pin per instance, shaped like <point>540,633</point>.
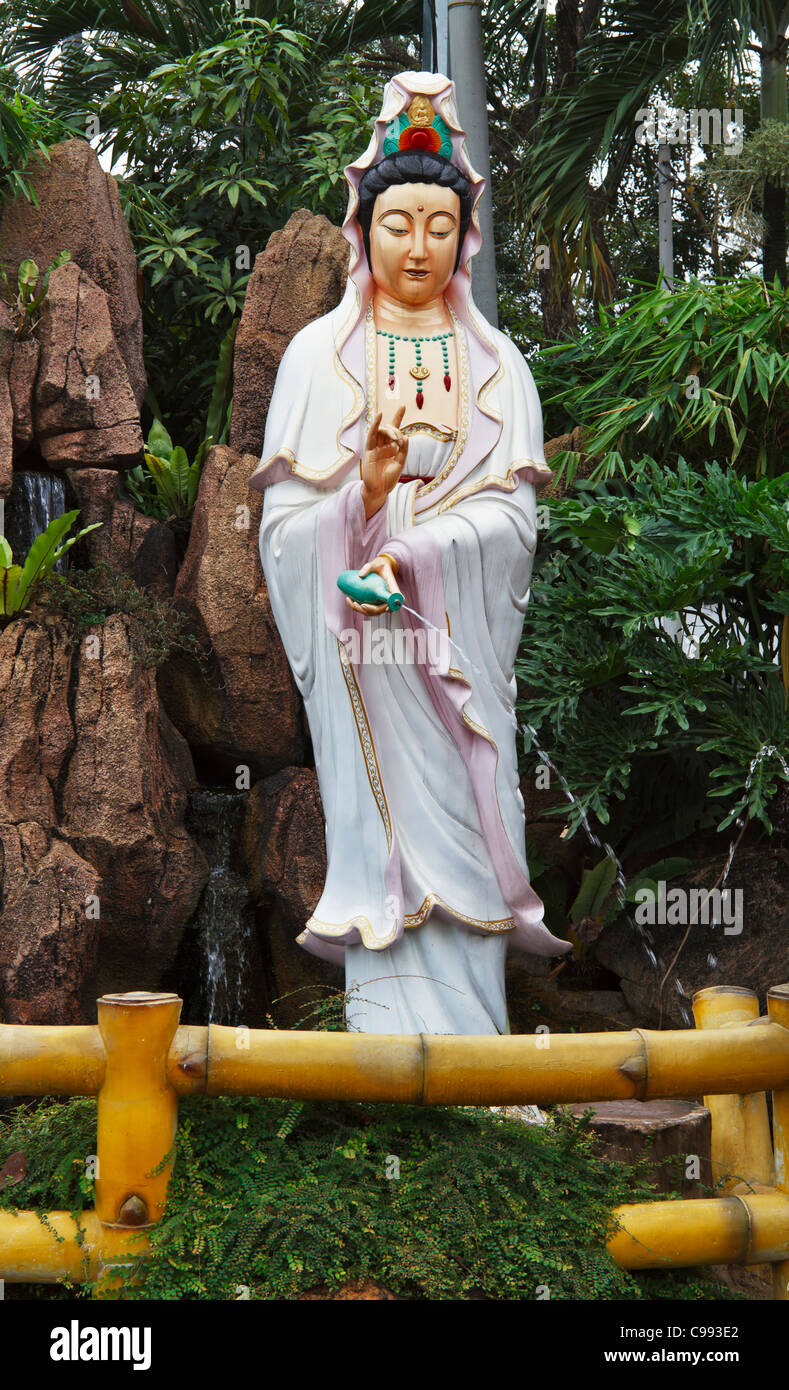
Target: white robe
<point>429,958</point>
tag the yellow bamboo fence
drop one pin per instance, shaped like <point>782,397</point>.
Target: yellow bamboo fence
<point>137,1061</point>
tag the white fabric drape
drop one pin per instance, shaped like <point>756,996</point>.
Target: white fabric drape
<point>452,978</point>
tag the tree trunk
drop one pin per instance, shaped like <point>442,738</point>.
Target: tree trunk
<point>774,107</point>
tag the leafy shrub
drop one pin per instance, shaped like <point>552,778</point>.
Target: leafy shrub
<point>277,1197</point>
<point>703,371</point>
<point>88,597</point>
<point>633,716</point>
<point>17,582</point>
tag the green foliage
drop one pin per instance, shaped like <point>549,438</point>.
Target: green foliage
<point>333,138</point>
<point>27,130</point>
<point>218,122</point>
<point>198,132</point>
<point>17,582</point>
<point>703,371</point>
<point>169,486</point>
<point>638,719</point>
<point>764,155</point>
<point>29,294</point>
<point>276,1198</point>
<point>88,597</point>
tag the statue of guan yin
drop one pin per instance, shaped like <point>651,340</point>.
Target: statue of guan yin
<point>404,439</point>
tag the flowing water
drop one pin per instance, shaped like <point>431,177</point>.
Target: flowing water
<point>223,925</point>
<point>35,500</point>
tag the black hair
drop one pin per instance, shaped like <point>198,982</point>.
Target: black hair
<point>412,166</point>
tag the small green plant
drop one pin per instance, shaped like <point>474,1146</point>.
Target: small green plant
<point>18,581</point>
<point>88,597</point>
<point>167,487</point>
<point>271,1198</point>
<point>29,294</point>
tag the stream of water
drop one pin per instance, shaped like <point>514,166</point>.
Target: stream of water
<point>35,500</point>
<point>223,924</point>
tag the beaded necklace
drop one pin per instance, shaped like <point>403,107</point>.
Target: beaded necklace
<point>420,371</point>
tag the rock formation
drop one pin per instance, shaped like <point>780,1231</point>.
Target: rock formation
<point>285,852</point>
<point>84,411</point>
<point>98,876</point>
<point>79,211</point>
<point>300,275</point>
<point>249,713</point>
<point>753,957</point>
<point>127,540</point>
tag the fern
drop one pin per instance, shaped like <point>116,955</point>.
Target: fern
<point>280,1197</point>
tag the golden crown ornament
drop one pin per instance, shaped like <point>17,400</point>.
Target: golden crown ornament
<point>418,128</point>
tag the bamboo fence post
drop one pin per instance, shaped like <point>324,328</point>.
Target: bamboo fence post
<point>137,1117</point>
<point>778,1011</point>
<point>740,1146</point>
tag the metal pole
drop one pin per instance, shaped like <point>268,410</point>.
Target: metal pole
<point>468,75</point>
<point>443,58</point>
<point>428,56</point>
<point>665,224</point>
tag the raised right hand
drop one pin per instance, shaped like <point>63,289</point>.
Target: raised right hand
<point>383,461</point>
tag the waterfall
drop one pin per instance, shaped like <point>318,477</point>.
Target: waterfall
<point>223,924</point>
<point>35,500</point>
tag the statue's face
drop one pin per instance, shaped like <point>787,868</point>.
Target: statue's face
<point>414,241</point>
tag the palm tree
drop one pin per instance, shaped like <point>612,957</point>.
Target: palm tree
<point>591,114</point>
<point>220,115</point>
<point>132,37</point>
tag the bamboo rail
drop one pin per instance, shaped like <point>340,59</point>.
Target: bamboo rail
<point>138,1061</point>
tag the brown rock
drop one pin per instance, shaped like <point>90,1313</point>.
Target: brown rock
<point>124,800</point>
<point>300,276</point>
<point>49,942</point>
<point>79,211</point>
<point>24,370</point>
<point>127,540</point>
<point>6,408</point>
<point>288,826</point>
<point>755,1281</point>
<point>532,1002</point>
<point>36,732</point>
<point>93,807</point>
<point>285,851</point>
<point>250,713</point>
<point>669,1131</point>
<point>755,958</point>
<point>84,411</point>
<point>14,1169</point>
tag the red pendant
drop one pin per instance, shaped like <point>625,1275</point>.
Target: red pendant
<point>419,399</point>
<point>391,383</point>
<point>448,381</point>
